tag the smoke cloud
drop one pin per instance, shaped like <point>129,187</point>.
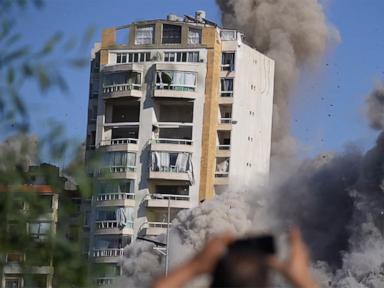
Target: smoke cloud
<point>293,33</point>
<point>375,108</point>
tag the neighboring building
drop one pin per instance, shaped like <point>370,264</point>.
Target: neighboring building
<point>179,109</point>
<point>48,190</point>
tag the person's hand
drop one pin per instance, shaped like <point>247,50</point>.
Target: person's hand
<point>207,258</point>
<point>203,262</point>
<point>296,267</point>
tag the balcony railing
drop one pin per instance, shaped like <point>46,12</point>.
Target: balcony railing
<point>223,147</point>
<point>106,224</point>
<point>171,169</point>
<point>171,197</point>
<point>172,141</point>
<point>176,87</point>
<point>115,196</point>
<point>158,225</point>
<point>108,252</point>
<point>118,141</point>
<point>121,87</point>
<point>226,93</point>
<point>111,224</point>
<point>221,174</point>
<point>117,169</point>
<point>104,281</point>
<point>225,120</point>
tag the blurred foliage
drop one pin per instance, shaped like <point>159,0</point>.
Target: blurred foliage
<point>21,207</point>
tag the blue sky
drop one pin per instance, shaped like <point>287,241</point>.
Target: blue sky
<point>326,112</point>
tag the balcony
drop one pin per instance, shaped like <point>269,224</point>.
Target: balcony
<point>115,199</point>
<point>226,97</point>
<point>170,173</point>
<point>107,255</point>
<point>120,144</point>
<point>175,91</point>
<point>112,227</point>
<point>172,145</point>
<point>171,166</point>
<point>118,172</point>
<point>122,90</point>
<point>174,201</point>
<point>175,83</point>
<point>104,281</point>
<point>223,150</point>
<point>156,228</point>
<point>221,178</point>
<point>225,124</point>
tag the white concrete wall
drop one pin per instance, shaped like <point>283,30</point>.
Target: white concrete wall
<point>252,113</point>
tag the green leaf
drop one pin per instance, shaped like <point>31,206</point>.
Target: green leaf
<point>78,63</point>
<point>10,76</point>
<point>14,55</point>
<point>50,45</point>
<point>42,76</point>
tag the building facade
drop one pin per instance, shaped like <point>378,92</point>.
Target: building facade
<point>179,110</point>
<point>34,214</point>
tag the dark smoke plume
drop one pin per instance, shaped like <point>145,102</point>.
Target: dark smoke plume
<point>293,33</point>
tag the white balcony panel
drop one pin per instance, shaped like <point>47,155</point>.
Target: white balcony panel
<point>221,178</point>
<point>172,145</point>
<point>175,201</point>
<point>122,90</point>
<point>120,144</point>
<point>168,175</point>
<point>156,228</point>
<point>225,124</point>
<point>166,93</point>
<point>115,199</point>
<point>121,124</point>
<point>112,227</point>
<point>223,151</point>
<point>118,172</point>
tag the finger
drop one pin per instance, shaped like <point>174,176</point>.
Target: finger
<point>276,264</point>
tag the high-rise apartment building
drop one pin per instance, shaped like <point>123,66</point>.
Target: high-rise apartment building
<point>179,109</point>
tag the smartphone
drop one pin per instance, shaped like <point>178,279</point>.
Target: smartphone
<point>263,244</point>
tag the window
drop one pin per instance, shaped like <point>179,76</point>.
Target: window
<point>171,34</point>
<point>228,61</point>
<point>121,78</point>
<point>171,162</point>
<point>114,187</point>
<point>137,57</point>
<point>228,35</point>
<point>12,282</point>
<point>144,35</point>
<point>181,56</point>
<point>176,80</point>
<point>194,36</point>
<point>40,230</point>
<point>226,87</point>
<point>119,159</point>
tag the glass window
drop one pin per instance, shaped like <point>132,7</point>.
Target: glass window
<point>228,61</point>
<point>12,283</point>
<point>118,58</point>
<point>40,230</point>
<point>228,35</point>
<point>226,87</point>
<point>144,35</point>
<point>124,58</point>
<point>194,36</point>
<point>171,34</point>
<point>176,80</point>
<point>193,57</point>
<point>119,159</point>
